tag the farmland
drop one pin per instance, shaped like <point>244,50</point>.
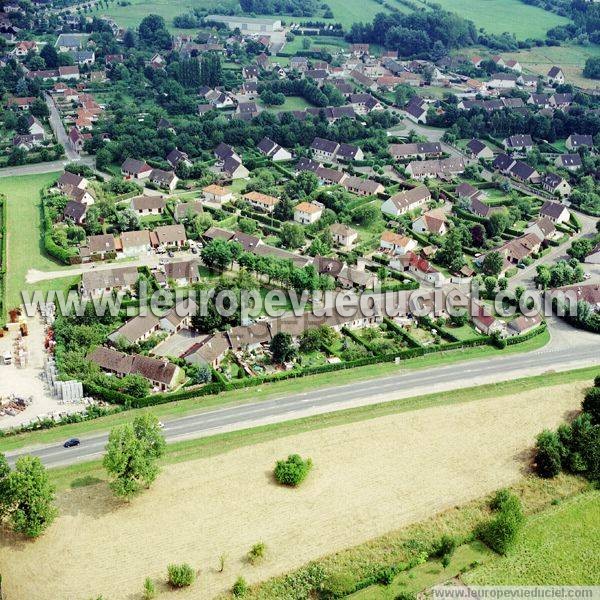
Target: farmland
<point>498,16</point>
<point>448,466</point>
<point>558,547</point>
<point>25,251</point>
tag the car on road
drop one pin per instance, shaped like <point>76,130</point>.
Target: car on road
<point>72,443</point>
<point>521,266</point>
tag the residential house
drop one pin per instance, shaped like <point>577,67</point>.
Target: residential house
<point>557,213</point>
<point>523,324</point>
<point>136,330</point>
<point>69,73</point>
<point>364,103</point>
<point>416,150</point>
<point>101,245</point>
<point>97,282</point>
<point>185,210</point>
<point>35,127</point>
<point>544,228</point>
<point>445,168</point>
<point>405,201</point>
<point>148,205</point>
<point>272,150</point>
<point>576,141</point>
<point>135,169</point>
<point>523,172</point>
<point>308,212</point>
<point>136,243</point>
<point>484,321</point>
<point>593,258</point>
<point>571,162</point>
<point>360,186</point>
<point>518,142</point>
<point>234,169</point>
<point>555,76</point>
<point>75,211</point>
<point>324,150</point>
<point>349,152</point>
<point>561,101</point>
<point>164,179</point>
<point>478,149</point>
<point>162,374</point>
<point>261,201</point>
<point>217,194</point>
<point>515,250</point>
<point>180,316</point>
<point>176,157</point>
<point>343,235</point>
<point>395,243</point>
<point>433,221</point>
<point>183,272</point>
<point>555,184</point>
<point>503,81</point>
<point>169,235</point>
<point>416,109</point>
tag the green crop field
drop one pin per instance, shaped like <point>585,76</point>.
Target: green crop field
<point>24,237</point>
<point>558,547</point>
<point>498,16</point>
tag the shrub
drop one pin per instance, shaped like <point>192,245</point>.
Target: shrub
<point>445,547</point>
<point>501,531</point>
<point>501,497</point>
<point>240,588</point>
<point>181,575</point>
<point>548,454</point>
<point>338,585</point>
<point>405,596</point>
<point>597,381</point>
<point>149,589</point>
<point>257,553</point>
<point>591,404</point>
<point>292,471</point>
<point>385,576</point>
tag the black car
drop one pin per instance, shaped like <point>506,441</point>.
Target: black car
<point>71,443</point>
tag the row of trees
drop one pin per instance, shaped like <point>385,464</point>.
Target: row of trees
<point>573,447</point>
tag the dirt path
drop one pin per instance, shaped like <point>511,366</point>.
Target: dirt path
<point>369,478</point>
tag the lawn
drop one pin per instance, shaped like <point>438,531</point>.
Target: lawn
<point>463,333</point>
<point>291,103</point>
<point>570,58</point>
<point>498,16</point>
<point>25,249</point>
<point>558,547</point>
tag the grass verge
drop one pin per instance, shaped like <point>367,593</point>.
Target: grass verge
<point>268,391</point>
<point>77,475</point>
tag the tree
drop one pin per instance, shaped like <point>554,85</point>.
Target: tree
<point>28,496</point>
<point>217,255</point>
<point>211,72</point>
<point>292,235</point>
<point>548,454</point>
<point>132,453</point>
<point>366,215</point>
<point>492,263</point>
<point>501,532</point>
<point>282,347</point>
<point>490,286</point>
<point>50,56</point>
<point>293,470</point>
<point>39,108</point>
<point>450,254</point>
<point>284,210</point>
<point>153,32</point>
<point>591,404</point>
<point>498,223</point>
<point>580,249</point>
<point>592,68</point>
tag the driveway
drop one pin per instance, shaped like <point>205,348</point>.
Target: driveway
<point>59,129</point>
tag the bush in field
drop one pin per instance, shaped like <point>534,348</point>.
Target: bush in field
<point>292,471</point>
<point>548,454</point>
<point>591,404</point>
<point>338,585</point>
<point>149,589</point>
<point>257,553</point>
<point>240,588</point>
<point>500,533</point>
<point>180,576</point>
<point>444,548</point>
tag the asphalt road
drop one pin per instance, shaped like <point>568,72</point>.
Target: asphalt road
<point>402,385</point>
<point>59,129</point>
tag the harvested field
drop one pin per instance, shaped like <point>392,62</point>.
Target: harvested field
<point>369,477</point>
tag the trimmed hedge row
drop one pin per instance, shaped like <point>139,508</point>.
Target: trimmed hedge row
<point>213,388</point>
<point>3,259</point>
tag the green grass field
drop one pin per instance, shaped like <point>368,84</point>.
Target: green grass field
<point>291,103</point>
<point>558,547</point>
<point>498,16</point>
<point>24,246</point>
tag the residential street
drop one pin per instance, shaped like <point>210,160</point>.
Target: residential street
<point>59,129</point>
<point>568,349</point>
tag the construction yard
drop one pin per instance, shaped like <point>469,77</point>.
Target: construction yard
<point>392,471</point>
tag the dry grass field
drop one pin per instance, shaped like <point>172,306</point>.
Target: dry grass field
<point>369,477</point>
